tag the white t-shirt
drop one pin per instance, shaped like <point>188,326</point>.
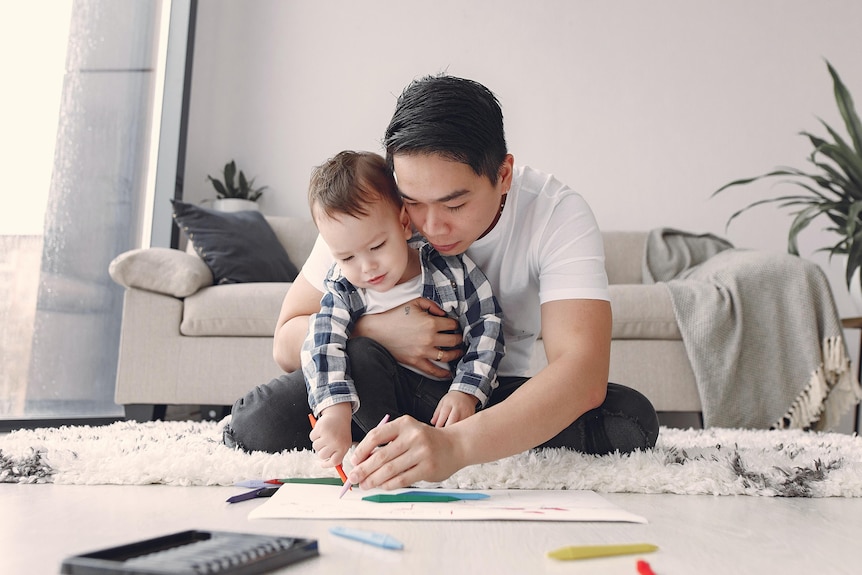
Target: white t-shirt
<point>545,247</point>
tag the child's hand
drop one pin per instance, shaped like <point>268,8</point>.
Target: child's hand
<point>454,407</point>
<point>331,437</point>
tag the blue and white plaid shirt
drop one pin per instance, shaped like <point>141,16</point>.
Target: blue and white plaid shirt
<point>455,283</point>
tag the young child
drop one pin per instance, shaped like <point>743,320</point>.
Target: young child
<point>378,265</point>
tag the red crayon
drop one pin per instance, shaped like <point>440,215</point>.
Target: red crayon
<point>644,568</point>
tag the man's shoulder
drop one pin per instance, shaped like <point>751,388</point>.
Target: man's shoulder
<point>541,197</point>
<point>531,181</point>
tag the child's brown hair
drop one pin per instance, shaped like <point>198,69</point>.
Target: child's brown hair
<point>349,182</point>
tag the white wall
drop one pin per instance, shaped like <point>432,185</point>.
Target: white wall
<point>644,107</point>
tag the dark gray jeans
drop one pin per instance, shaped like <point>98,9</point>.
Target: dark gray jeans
<point>274,417</point>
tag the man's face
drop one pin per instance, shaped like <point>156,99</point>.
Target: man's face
<point>447,202</point>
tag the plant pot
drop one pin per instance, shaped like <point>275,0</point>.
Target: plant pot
<point>235,205</point>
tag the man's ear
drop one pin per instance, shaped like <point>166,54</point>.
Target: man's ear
<point>505,173</point>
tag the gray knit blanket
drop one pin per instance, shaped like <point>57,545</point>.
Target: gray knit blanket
<point>761,331</point>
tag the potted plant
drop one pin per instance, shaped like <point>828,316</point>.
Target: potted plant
<point>832,187</point>
<point>235,193</point>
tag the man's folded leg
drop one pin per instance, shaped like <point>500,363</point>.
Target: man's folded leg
<point>271,417</point>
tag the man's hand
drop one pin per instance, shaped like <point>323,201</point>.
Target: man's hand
<point>455,406</point>
<point>404,451</point>
<point>413,334</point>
<point>331,437</point>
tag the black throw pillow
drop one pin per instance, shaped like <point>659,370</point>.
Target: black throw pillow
<point>239,247</point>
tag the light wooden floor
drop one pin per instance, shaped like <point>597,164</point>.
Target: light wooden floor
<point>42,524</point>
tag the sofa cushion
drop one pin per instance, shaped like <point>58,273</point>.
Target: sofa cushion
<point>238,247</point>
<point>248,309</point>
<point>643,312</point>
<point>161,270</point>
<point>297,235</point>
<point>624,255</point>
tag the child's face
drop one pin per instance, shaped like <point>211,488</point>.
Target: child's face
<point>371,250</point>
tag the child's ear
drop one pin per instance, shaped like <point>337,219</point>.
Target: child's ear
<point>405,223</point>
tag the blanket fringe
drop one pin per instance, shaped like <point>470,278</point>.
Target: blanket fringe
<point>832,389</point>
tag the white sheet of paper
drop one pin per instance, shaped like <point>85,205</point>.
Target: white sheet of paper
<point>304,501</point>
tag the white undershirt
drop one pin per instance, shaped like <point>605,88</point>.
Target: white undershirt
<point>378,302</point>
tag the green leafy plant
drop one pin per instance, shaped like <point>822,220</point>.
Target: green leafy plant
<point>232,187</point>
<point>832,187</point>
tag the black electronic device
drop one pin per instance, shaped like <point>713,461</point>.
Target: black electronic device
<point>195,553</point>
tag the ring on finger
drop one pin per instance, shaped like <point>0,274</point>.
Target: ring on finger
<point>439,354</point>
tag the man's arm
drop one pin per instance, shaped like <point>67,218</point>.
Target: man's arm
<point>577,336</point>
<point>301,301</point>
<point>413,333</point>
<point>577,339</point>
<point>411,336</point>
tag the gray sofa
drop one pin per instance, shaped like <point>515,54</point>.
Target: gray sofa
<point>187,342</point>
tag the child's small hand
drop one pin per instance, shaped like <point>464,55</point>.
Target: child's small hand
<point>454,407</point>
<point>331,437</point>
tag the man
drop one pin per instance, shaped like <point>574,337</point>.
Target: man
<point>538,243</point>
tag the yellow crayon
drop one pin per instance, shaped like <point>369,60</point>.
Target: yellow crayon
<point>591,551</point>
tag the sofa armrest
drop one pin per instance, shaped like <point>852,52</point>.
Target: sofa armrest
<point>161,270</point>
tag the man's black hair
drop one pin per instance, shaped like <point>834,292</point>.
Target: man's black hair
<point>458,119</point>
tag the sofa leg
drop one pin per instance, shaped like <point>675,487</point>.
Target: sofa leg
<point>681,419</point>
<point>214,412</point>
<point>145,411</point>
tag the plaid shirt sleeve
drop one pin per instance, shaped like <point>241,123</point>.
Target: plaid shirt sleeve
<point>463,290</point>
<point>323,355</point>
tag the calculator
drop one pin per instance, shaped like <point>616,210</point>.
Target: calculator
<point>195,553</point>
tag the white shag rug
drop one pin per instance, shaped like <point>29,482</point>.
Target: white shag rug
<point>786,463</point>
